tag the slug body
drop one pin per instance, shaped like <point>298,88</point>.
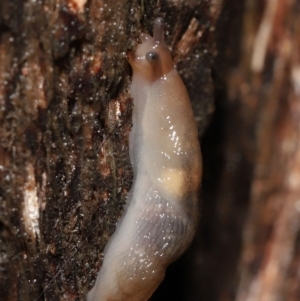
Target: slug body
<point>162,211</point>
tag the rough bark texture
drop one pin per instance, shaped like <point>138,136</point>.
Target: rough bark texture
<point>65,115</point>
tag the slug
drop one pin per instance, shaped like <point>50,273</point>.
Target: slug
<point>160,220</point>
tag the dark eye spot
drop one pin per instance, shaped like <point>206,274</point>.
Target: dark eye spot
<point>152,56</point>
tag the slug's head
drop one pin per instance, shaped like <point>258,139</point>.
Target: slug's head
<point>152,59</point>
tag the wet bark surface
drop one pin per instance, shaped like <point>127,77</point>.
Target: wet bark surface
<point>65,115</point>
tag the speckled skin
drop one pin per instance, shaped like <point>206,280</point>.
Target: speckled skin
<point>161,216</point>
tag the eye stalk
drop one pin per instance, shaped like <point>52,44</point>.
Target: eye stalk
<point>152,56</point>
<point>158,30</point>
<point>152,59</point>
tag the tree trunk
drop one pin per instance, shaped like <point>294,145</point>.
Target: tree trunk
<point>65,115</point>
<point>249,237</point>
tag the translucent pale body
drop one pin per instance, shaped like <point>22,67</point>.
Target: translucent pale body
<point>161,216</point>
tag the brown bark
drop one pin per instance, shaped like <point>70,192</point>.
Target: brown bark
<point>270,254</point>
<point>249,245</point>
<point>65,114</point>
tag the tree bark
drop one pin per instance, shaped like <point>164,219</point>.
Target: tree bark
<point>270,77</point>
<point>249,239</point>
<point>65,115</point>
